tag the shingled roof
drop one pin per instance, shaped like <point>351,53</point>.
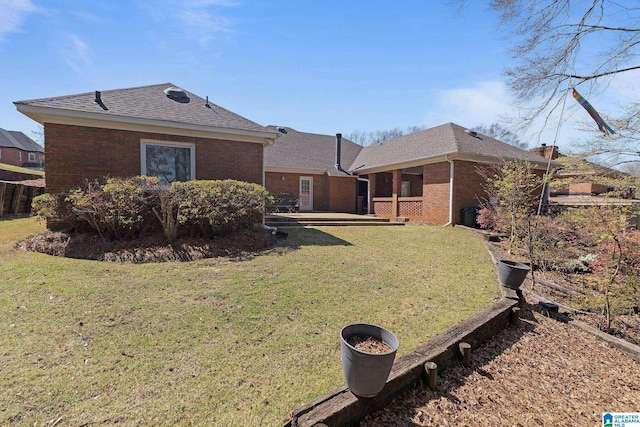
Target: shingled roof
<point>15,139</point>
<point>308,151</point>
<point>149,104</point>
<point>434,143</point>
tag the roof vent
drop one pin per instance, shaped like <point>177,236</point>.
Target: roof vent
<point>281,129</point>
<point>177,94</point>
<point>473,133</point>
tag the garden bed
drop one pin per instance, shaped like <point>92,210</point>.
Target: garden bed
<point>147,249</point>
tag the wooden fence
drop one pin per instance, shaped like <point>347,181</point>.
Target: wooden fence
<point>16,198</point>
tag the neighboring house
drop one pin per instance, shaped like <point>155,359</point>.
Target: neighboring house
<point>575,176</point>
<point>17,149</point>
<point>158,130</point>
<point>429,176</point>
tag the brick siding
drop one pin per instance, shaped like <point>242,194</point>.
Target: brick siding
<point>332,194</point>
<point>77,153</point>
<point>11,156</point>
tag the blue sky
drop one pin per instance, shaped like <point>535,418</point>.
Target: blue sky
<point>320,66</point>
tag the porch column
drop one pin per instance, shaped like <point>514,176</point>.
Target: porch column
<point>395,194</point>
<point>372,192</point>
<point>425,191</point>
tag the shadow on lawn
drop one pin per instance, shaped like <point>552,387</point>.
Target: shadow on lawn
<point>300,237</point>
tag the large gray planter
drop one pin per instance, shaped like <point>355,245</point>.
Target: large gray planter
<point>511,273</point>
<point>366,373</point>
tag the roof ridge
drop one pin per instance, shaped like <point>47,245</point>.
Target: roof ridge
<point>91,92</point>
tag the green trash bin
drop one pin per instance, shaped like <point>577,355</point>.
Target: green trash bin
<point>470,216</point>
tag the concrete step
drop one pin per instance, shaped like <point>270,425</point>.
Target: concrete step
<point>322,223</point>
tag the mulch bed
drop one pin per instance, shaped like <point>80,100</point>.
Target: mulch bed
<point>543,373</point>
<point>148,249</point>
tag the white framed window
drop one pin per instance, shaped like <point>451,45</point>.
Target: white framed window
<point>32,157</point>
<point>0,153</point>
<point>20,156</point>
<point>168,161</point>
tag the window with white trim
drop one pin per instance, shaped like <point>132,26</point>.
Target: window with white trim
<point>168,161</point>
<point>32,157</point>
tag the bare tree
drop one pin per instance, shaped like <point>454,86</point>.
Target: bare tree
<point>558,44</point>
<point>374,137</point>
<point>501,133</point>
<point>623,149</point>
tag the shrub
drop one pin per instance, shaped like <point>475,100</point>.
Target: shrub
<point>55,210</point>
<point>114,209</point>
<point>212,208</point>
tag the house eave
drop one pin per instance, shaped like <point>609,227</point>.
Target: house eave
<point>302,171</point>
<point>363,170</point>
<point>44,115</point>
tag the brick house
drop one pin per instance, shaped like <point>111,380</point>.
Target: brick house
<point>305,165</point>
<point>17,149</point>
<point>579,176</point>
<point>429,176</point>
<point>158,130</point>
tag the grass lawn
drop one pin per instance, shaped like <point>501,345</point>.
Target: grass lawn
<point>219,341</point>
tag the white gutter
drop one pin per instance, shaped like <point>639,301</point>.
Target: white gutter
<point>451,173</point>
<point>368,193</point>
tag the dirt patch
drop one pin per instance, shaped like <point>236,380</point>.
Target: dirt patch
<point>148,249</point>
<point>368,344</point>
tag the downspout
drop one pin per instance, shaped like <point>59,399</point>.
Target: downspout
<point>451,173</point>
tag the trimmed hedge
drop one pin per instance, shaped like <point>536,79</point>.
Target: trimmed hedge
<point>123,208</point>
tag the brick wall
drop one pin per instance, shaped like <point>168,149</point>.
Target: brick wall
<point>16,157</point>
<point>330,193</point>
<point>468,187</point>
<point>342,194</point>
<point>435,191</point>
<point>275,183</point>
<point>76,153</point>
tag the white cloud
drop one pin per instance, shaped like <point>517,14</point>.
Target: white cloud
<point>78,54</point>
<point>199,20</point>
<point>13,13</point>
<point>483,103</point>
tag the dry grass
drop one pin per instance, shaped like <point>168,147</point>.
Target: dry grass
<point>218,341</point>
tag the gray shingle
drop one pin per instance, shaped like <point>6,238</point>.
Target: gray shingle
<point>15,139</point>
<point>437,142</point>
<point>149,102</point>
<point>309,151</point>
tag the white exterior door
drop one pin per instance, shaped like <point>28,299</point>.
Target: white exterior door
<point>306,193</point>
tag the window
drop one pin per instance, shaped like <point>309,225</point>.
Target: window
<point>0,153</point>
<point>405,189</point>
<point>20,156</point>
<point>32,157</point>
<point>168,161</point>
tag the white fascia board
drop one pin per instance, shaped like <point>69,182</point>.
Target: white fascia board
<point>442,158</point>
<point>44,115</point>
<point>302,171</point>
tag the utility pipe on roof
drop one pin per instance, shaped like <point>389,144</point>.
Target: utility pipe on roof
<point>451,173</point>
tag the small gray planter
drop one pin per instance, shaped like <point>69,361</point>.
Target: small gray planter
<point>366,373</point>
<point>511,273</point>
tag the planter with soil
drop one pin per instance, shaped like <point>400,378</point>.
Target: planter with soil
<point>367,353</point>
<point>511,273</point>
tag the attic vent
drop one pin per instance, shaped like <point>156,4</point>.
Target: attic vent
<point>177,94</point>
<point>473,133</point>
<point>282,130</point>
